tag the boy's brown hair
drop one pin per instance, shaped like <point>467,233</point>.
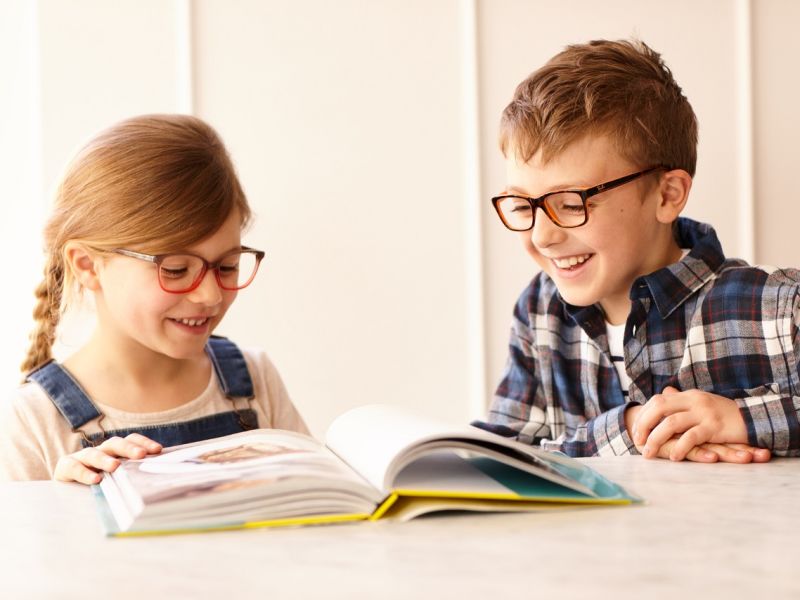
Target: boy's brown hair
<point>619,88</point>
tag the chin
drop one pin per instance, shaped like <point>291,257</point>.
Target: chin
<point>185,353</point>
<point>577,298</point>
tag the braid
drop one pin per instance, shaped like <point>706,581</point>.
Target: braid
<point>47,314</point>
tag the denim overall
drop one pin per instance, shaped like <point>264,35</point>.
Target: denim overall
<point>234,379</point>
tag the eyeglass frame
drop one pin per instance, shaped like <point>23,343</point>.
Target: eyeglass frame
<point>585,194</point>
<point>157,259</point>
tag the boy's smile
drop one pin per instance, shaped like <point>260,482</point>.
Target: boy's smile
<point>628,232</point>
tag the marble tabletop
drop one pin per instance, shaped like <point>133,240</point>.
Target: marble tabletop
<point>704,531</point>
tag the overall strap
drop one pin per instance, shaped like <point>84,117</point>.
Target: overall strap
<point>68,396</point>
<point>231,368</point>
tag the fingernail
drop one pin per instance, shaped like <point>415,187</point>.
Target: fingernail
<point>742,453</point>
<point>706,454</point>
<point>646,452</point>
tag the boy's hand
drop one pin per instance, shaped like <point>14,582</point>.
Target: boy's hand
<point>706,453</point>
<point>85,466</point>
<point>710,453</point>
<point>686,420</point>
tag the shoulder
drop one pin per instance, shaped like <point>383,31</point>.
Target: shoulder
<point>32,433</point>
<point>259,363</point>
<point>267,383</point>
<point>751,293</point>
<point>759,281</point>
<point>271,392</point>
<point>540,297</point>
<point>27,404</point>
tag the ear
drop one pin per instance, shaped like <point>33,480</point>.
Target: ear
<point>673,192</point>
<point>83,263</point>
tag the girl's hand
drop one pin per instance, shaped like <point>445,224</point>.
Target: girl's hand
<point>86,466</point>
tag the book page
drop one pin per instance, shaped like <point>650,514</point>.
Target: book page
<point>370,437</point>
<point>378,441</point>
<point>212,476</point>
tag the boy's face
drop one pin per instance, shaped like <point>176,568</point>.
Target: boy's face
<point>622,239</point>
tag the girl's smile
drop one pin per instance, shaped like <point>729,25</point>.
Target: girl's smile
<point>196,326</point>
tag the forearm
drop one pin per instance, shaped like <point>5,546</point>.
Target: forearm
<point>771,419</point>
<point>604,435</point>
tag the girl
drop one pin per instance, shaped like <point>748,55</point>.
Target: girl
<point>148,220</point>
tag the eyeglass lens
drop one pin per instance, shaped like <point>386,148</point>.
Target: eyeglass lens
<point>180,272</point>
<point>565,208</point>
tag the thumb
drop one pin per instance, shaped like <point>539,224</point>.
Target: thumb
<point>670,390</point>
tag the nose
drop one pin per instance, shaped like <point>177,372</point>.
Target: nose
<point>545,233</point>
<point>208,292</point>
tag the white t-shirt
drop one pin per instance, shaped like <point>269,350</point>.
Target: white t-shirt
<point>34,435</point>
<point>616,336</point>
<point>616,345</point>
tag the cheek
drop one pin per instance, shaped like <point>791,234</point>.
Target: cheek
<point>525,240</point>
<point>227,299</point>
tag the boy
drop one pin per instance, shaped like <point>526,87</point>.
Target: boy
<point>637,335</point>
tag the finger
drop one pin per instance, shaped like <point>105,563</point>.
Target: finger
<point>116,446</point>
<point>151,446</point>
<point>696,454</point>
<point>691,438</point>
<point>760,455</point>
<point>730,454</point>
<point>654,411</point>
<point>670,427</point>
<point>670,390</point>
<point>96,459</point>
<point>74,467</point>
<point>701,454</point>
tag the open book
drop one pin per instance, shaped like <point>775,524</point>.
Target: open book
<point>378,462</point>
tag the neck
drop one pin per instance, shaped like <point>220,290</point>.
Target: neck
<point>126,375</point>
<point>132,362</point>
<point>617,308</point>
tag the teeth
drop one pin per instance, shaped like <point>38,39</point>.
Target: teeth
<point>192,322</point>
<point>566,263</point>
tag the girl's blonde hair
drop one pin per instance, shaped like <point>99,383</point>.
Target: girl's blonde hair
<point>158,182</point>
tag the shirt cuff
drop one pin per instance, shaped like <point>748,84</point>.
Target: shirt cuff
<point>769,417</point>
<point>611,435</point>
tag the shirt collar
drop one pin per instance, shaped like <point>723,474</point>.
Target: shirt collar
<point>672,285</point>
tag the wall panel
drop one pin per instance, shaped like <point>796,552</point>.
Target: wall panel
<point>344,121</point>
<point>776,49</point>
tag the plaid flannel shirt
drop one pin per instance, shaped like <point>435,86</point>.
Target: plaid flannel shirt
<point>702,323</point>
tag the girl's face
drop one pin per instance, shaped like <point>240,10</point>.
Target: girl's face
<point>135,313</point>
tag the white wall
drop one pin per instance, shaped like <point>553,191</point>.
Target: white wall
<point>353,125</point>
<point>22,205</point>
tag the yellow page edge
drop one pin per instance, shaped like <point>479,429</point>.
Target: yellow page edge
<point>316,520</point>
<point>395,495</point>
